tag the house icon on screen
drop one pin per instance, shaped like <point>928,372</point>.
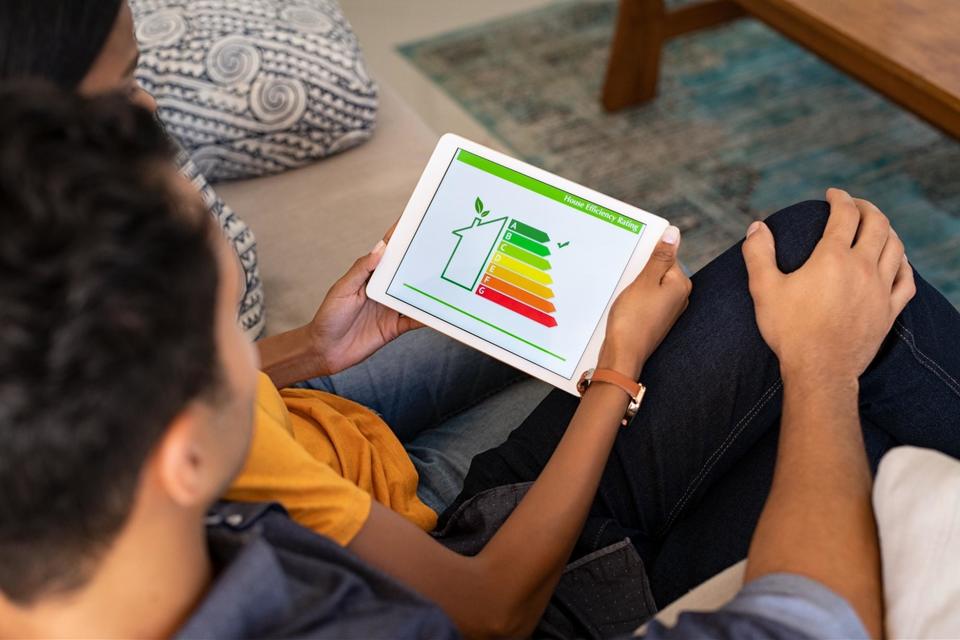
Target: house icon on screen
<point>474,246</point>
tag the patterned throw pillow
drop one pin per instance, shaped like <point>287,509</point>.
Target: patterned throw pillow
<point>254,87</point>
<point>251,314</point>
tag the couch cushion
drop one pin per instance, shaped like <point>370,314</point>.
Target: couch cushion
<point>312,223</point>
<point>916,499</point>
<point>255,87</point>
<point>708,596</point>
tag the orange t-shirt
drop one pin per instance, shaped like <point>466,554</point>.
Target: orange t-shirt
<point>324,458</point>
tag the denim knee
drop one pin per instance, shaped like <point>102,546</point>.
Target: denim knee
<point>796,230</point>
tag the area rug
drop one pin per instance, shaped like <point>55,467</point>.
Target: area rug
<point>745,123</point>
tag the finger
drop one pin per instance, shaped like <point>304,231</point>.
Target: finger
<point>760,255</point>
<point>891,257</point>
<point>844,217</point>
<point>874,230</point>
<point>664,255</point>
<point>358,274</point>
<point>676,276</point>
<point>904,287</point>
<point>389,233</point>
<point>406,323</point>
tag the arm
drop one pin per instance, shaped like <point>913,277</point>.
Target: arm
<point>290,357</point>
<point>346,329</point>
<point>503,590</point>
<point>818,520</point>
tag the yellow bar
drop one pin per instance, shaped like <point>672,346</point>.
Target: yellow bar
<point>517,280</point>
<point>523,269</point>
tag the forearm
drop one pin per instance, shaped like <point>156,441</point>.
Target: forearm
<point>535,542</point>
<point>818,521</point>
<point>289,357</point>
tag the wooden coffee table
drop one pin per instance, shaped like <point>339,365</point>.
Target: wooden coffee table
<point>908,50</point>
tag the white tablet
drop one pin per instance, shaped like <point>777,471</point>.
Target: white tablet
<point>512,260</point>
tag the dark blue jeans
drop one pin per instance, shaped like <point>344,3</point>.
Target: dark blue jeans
<point>687,480</point>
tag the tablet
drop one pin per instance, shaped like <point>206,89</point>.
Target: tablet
<point>512,260</point>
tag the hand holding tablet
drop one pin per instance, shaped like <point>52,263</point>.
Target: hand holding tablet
<point>512,260</point>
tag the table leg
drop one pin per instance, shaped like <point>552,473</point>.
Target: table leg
<point>643,26</point>
<point>634,66</point>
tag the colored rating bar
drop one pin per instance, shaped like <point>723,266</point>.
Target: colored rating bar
<point>526,243</point>
<point>531,232</point>
<point>523,256</point>
<point>516,306</point>
<point>524,269</point>
<point>516,279</point>
<point>518,293</point>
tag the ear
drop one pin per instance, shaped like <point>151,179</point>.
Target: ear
<point>183,462</point>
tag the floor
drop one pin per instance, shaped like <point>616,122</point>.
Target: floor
<point>383,24</point>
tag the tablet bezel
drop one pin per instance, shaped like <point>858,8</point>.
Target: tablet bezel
<point>416,208</point>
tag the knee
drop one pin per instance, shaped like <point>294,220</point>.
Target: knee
<point>796,230</point>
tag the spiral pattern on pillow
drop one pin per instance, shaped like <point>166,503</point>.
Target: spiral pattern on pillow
<point>254,87</point>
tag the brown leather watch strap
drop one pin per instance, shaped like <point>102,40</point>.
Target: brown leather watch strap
<point>631,386</point>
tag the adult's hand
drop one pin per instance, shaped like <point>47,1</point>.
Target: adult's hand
<point>828,318</point>
<point>645,311</point>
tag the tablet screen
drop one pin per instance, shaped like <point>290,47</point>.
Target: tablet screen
<point>515,261</point>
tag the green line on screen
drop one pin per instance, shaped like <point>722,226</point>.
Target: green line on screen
<point>489,324</point>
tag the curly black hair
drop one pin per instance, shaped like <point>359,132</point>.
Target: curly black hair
<point>107,306</point>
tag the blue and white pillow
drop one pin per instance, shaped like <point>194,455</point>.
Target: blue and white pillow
<point>254,87</point>
<point>251,315</point>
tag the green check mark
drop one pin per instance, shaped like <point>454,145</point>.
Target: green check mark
<point>561,245</point>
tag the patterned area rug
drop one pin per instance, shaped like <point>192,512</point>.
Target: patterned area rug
<point>746,123</point>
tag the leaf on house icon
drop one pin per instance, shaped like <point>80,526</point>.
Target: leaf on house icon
<point>474,246</point>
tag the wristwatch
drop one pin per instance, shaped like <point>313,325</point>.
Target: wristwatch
<point>633,388</point>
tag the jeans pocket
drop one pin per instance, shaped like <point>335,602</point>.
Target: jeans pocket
<point>603,594</point>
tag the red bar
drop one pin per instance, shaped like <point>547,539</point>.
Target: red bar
<point>517,307</point>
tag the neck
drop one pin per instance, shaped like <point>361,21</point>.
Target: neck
<point>152,577</point>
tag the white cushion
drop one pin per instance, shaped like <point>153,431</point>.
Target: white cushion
<point>708,596</point>
<point>916,499</point>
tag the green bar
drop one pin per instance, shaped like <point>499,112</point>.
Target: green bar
<point>526,243</point>
<point>527,230</point>
<point>489,324</point>
<point>544,189</point>
<point>524,256</point>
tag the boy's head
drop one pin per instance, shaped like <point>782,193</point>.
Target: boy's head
<point>126,386</point>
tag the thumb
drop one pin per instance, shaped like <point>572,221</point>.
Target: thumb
<point>356,277</point>
<point>664,254</point>
<point>760,253</point>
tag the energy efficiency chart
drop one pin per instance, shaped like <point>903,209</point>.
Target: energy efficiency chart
<point>516,276</point>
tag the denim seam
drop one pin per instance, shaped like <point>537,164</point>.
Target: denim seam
<point>596,537</point>
<point>925,360</point>
<point>716,455</point>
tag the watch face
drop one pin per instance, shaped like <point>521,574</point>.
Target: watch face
<point>584,381</point>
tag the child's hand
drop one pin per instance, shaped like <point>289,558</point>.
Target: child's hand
<point>349,326</point>
<point>645,311</point>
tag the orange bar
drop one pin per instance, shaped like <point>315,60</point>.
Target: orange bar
<point>516,279</point>
<point>519,294</point>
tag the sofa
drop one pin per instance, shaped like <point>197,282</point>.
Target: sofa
<point>312,223</point>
